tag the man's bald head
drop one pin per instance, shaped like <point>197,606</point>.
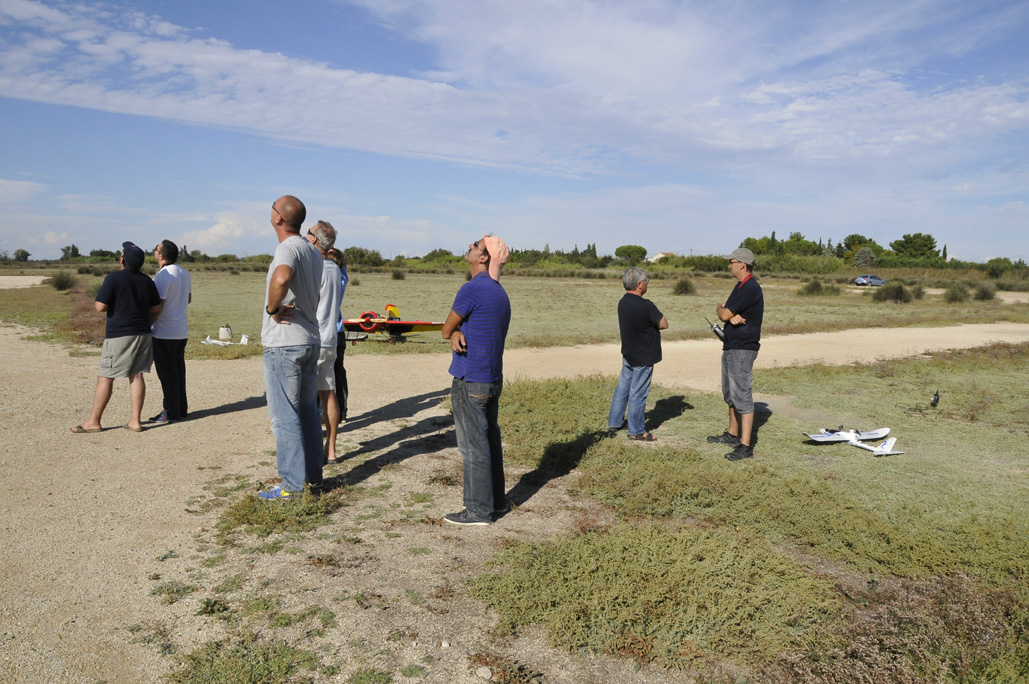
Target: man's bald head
<point>292,211</point>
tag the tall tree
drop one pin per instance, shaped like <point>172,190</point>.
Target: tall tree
<point>916,246</point>
<point>69,252</point>
<point>864,258</point>
<point>633,254</point>
<point>21,255</point>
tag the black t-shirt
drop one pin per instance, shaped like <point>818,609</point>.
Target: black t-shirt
<point>129,296</point>
<point>638,319</point>
<point>748,301</point>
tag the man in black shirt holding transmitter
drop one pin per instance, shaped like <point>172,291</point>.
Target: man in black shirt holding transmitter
<point>742,313</point>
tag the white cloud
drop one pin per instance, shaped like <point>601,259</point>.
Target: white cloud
<point>738,114</point>
<point>233,233</point>
<point>578,87</point>
<point>52,239</point>
<point>12,192</point>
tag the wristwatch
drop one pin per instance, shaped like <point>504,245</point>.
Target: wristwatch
<point>273,311</point>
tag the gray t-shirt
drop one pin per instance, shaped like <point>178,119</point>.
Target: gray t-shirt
<point>306,262</point>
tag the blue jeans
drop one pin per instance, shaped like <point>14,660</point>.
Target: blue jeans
<point>291,385</point>
<point>631,393</point>
<point>476,406</point>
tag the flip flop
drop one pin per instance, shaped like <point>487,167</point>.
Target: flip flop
<point>127,427</point>
<point>79,430</point>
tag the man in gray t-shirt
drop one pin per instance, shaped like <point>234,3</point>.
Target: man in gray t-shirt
<point>289,333</point>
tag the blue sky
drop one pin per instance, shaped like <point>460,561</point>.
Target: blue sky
<point>416,124</point>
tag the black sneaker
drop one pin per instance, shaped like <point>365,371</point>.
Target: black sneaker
<point>504,509</point>
<point>465,518</point>
<point>741,452</point>
<point>724,438</point>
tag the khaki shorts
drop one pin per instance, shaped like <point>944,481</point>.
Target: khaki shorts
<point>326,376</point>
<point>121,357</point>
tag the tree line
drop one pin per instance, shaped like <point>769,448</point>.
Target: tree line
<point>794,254</point>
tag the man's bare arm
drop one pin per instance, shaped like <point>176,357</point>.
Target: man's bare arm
<point>450,332</point>
<point>277,289</point>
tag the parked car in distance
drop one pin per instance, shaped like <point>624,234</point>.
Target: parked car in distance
<point>873,280</point>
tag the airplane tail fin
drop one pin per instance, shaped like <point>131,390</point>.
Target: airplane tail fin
<point>886,448</point>
<point>392,312</point>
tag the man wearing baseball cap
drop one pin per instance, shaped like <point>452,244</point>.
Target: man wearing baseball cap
<point>742,313</point>
<point>132,303</point>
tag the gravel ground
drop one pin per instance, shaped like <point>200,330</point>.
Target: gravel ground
<point>85,518</point>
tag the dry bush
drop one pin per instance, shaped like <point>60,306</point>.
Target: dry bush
<point>684,286</point>
<point>985,292</point>
<point>892,292</point>
<point>956,293</point>
<point>816,288</point>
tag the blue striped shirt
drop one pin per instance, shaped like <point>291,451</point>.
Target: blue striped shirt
<point>485,312</point>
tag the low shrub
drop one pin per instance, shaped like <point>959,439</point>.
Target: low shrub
<point>684,286</point>
<point>816,288</point>
<point>892,292</point>
<point>956,293</point>
<point>917,291</point>
<point>398,274</point>
<point>985,292</point>
<point>64,280</point>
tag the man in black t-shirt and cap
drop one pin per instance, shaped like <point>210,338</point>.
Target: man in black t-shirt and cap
<point>742,313</point>
<point>639,323</point>
<point>132,304</point>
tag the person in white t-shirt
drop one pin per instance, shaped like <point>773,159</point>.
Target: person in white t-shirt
<point>323,236</point>
<point>171,331</point>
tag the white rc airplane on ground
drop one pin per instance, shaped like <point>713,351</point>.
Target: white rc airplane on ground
<point>854,438</point>
<point>884,449</point>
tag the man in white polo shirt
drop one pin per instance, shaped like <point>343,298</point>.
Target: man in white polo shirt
<point>171,331</point>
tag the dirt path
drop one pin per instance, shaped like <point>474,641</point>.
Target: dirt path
<point>84,517</point>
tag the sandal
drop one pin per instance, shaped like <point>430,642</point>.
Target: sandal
<point>643,437</point>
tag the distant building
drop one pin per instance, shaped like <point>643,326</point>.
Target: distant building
<point>659,256</point>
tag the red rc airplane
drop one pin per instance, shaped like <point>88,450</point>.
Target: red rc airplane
<point>390,324</point>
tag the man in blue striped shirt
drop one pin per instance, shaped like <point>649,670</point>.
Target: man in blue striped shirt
<point>477,328</point>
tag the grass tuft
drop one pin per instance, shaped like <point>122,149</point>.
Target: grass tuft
<point>263,518</point>
<point>370,675</point>
<point>244,659</point>
<point>505,670</point>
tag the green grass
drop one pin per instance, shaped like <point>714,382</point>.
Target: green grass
<point>243,659</point>
<point>170,592</point>
<point>939,536</point>
<point>582,310</point>
<point>256,517</point>
<point>653,593</point>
